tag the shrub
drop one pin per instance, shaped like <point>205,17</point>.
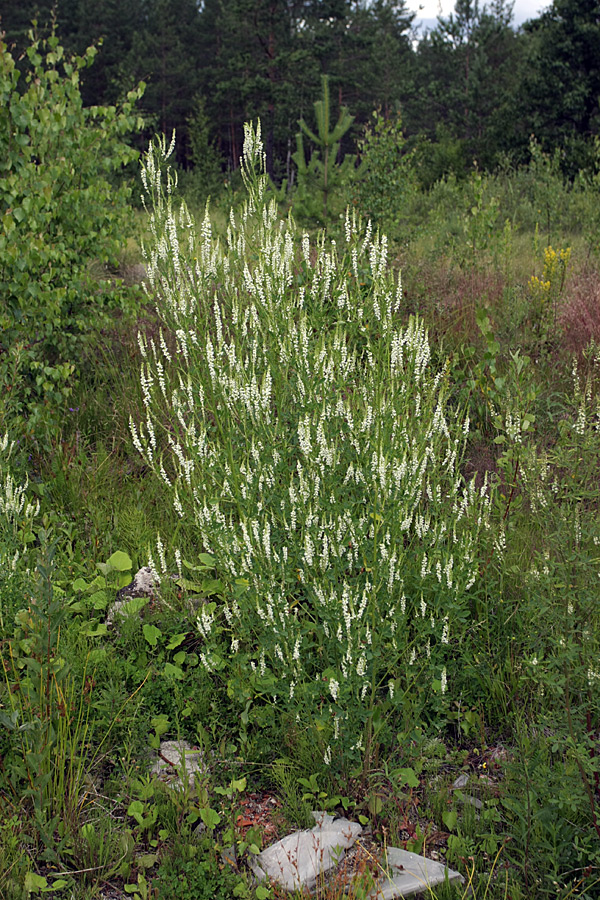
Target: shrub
<point>61,209</point>
<point>388,179</point>
<point>309,445</point>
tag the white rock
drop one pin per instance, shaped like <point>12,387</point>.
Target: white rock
<point>177,763</point>
<point>143,585</point>
<point>461,782</point>
<point>300,858</point>
<point>410,874</point>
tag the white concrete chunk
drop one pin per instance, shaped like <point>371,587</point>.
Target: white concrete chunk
<point>411,874</point>
<point>300,858</point>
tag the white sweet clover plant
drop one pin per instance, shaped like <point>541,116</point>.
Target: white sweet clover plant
<point>17,513</point>
<point>301,430</point>
<point>16,510</point>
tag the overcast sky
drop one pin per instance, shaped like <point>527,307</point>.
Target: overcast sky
<point>428,10</point>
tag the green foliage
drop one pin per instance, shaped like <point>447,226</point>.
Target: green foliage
<point>201,878</point>
<point>62,211</point>
<point>440,158</point>
<point>465,78</point>
<point>475,85</point>
<point>323,174</point>
<point>543,813</point>
<point>294,805</point>
<point>207,173</point>
<point>45,716</point>
<point>511,701</point>
<point>562,90</point>
<point>13,858</point>
<point>387,177</point>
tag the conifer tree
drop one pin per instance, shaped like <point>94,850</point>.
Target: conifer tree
<point>322,174</point>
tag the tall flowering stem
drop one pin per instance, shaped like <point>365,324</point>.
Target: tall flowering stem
<point>307,441</point>
<point>17,515</point>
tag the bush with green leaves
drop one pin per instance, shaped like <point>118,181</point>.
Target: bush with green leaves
<point>62,209</point>
<point>310,447</point>
<point>198,879</point>
<point>388,178</point>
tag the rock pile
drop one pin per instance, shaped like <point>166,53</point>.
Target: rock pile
<point>303,859</point>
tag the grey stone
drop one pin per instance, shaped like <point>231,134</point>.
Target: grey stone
<point>143,585</point>
<point>408,874</point>
<point>299,859</point>
<point>178,762</point>
<point>322,818</point>
<point>461,782</point>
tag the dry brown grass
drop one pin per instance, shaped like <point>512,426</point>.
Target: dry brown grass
<point>579,317</point>
<point>449,298</point>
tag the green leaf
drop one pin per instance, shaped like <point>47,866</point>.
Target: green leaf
<point>375,804</point>
<point>146,860</point>
<point>123,579</point>
<point>173,671</point>
<point>120,561</point>
<point>210,817</point>
<point>207,560</point>
<point>450,818</point>
<point>152,634</point>
<point>214,586</point>
<point>262,893</point>
<point>96,630</point>
<point>176,640</point>
<point>34,883</point>
<point>77,606</point>
<point>160,724</point>
<point>188,585</point>
<point>9,720</point>
<point>99,600</point>
<point>136,811</point>
<point>133,606</point>
<point>408,777</point>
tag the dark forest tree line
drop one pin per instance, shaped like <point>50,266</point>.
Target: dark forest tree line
<point>474,87</point>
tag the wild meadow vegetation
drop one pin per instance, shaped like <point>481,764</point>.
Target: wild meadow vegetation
<point>354,430</point>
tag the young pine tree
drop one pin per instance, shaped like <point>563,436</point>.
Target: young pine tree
<point>322,174</point>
